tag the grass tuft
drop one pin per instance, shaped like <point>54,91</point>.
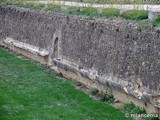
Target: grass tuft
<point>107,98</point>
<point>131,108</point>
<point>54,7</point>
<point>110,12</point>
<point>135,15</point>
<point>89,11</point>
<point>156,22</point>
<point>93,91</point>
<point>73,10</point>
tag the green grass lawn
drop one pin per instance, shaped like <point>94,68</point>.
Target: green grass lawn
<point>30,92</point>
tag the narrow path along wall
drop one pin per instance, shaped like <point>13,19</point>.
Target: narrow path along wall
<point>116,53</point>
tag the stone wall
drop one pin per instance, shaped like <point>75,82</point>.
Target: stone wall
<point>116,53</point>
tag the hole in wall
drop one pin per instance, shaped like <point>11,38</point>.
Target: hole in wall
<point>139,87</point>
<point>60,74</point>
<point>55,51</point>
<point>117,29</point>
<point>92,24</point>
<point>145,104</point>
<point>101,31</point>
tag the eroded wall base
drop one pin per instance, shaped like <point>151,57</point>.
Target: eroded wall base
<point>125,98</point>
<point>106,89</point>
<point>26,50</point>
<point>43,59</point>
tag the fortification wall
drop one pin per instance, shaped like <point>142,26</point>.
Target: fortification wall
<point>118,54</point>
